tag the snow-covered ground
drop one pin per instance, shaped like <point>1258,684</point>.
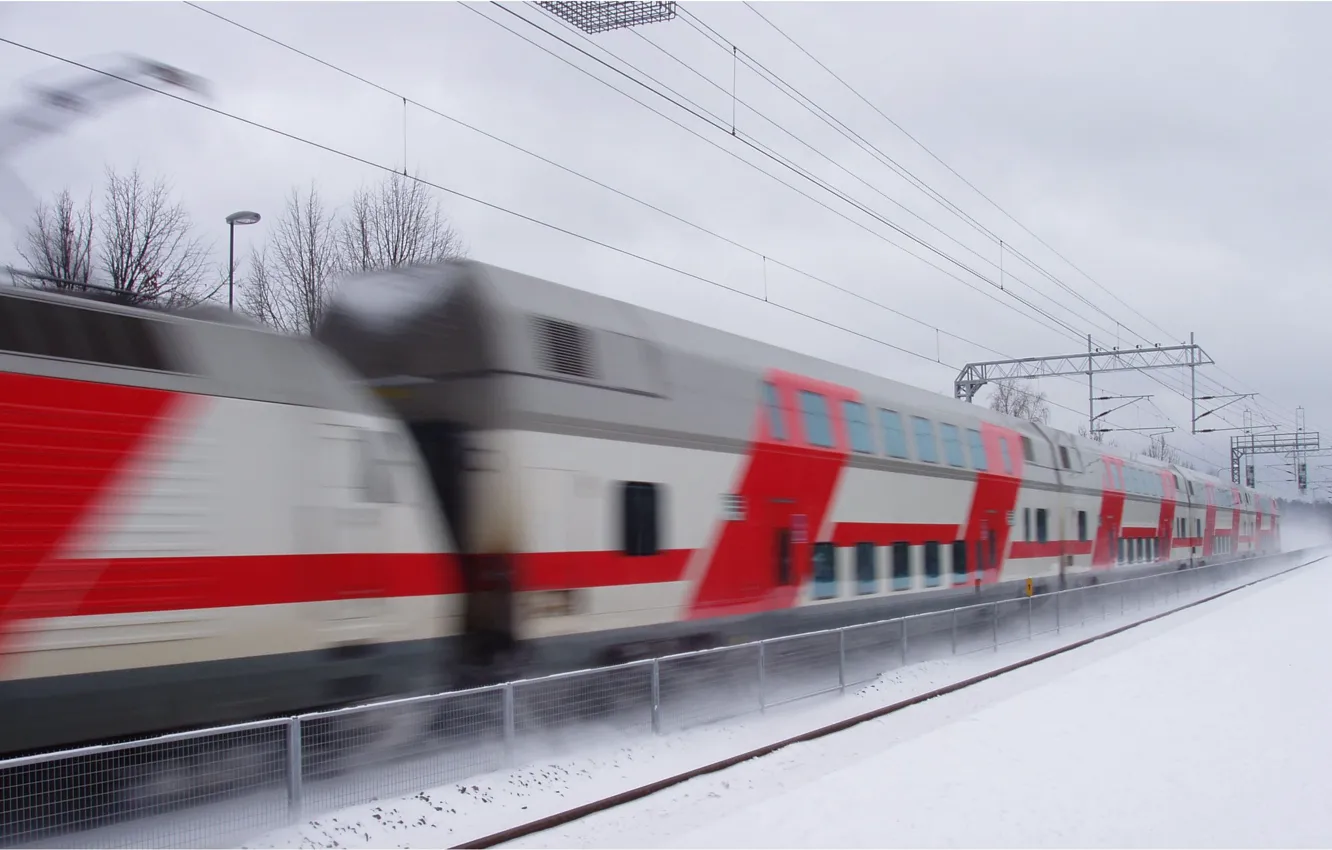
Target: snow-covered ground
<point>468,809</point>
<point>1206,729</point>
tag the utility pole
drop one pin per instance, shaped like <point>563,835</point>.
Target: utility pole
<point>1091,396</point>
<point>1193,387</point>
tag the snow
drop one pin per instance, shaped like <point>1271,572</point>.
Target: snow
<point>1207,728</point>
<point>917,771</point>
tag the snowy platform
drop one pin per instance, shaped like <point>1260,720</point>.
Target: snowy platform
<point>1205,729</point>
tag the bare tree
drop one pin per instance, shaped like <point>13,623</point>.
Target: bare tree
<point>1015,401</point>
<point>290,278</point>
<point>396,223</point>
<point>59,243</point>
<point>1158,448</point>
<point>148,251</point>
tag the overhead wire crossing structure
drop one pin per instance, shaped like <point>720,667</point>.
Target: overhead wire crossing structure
<point>974,376</point>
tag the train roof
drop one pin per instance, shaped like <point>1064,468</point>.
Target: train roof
<point>198,349</point>
<point>464,318</point>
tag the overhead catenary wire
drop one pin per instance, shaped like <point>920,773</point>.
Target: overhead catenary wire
<point>973,187</point>
<point>558,165</point>
<point>467,197</point>
<point>1072,334</point>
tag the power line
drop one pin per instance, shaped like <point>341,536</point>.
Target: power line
<point>398,95</point>
<point>488,204</point>
<point>749,141</point>
<point>601,184</point>
<point>968,183</point>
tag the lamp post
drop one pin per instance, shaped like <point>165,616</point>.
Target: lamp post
<point>242,217</point>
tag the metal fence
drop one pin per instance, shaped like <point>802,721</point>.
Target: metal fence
<point>215,787</point>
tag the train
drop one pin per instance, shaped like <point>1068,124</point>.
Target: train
<point>466,473</point>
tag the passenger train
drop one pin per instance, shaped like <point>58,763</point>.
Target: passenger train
<point>469,473</point>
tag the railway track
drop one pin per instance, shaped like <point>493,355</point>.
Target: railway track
<point>606,803</point>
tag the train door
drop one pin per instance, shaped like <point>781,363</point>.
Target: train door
<point>454,465</point>
<point>789,533</point>
<point>342,516</point>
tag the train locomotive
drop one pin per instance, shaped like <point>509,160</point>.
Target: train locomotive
<point>469,473</point>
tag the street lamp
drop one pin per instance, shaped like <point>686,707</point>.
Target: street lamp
<point>242,217</point>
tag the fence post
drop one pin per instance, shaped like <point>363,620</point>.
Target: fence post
<point>294,767</point>
<point>1029,617</point>
<point>656,696</point>
<point>994,623</point>
<point>510,726</point>
<point>841,660</point>
<point>1059,619</point>
<point>955,631</point>
<point>763,677</point>
<point>904,640</point>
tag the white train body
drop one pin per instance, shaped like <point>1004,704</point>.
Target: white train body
<point>211,522</point>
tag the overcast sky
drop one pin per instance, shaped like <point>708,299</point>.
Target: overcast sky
<point>1176,153</point>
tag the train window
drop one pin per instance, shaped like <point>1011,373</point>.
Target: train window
<point>818,427</point>
<point>858,427</point>
<point>959,562</point>
<point>1063,457</point>
<point>894,435</point>
<point>825,571</point>
<point>979,461</point>
<point>1026,524</point>
<point>1198,525</point>
<point>1004,456</point>
<point>75,332</point>
<point>374,468</point>
<point>901,566</point>
<point>776,423</point>
<point>952,443</point>
<point>1028,450</point>
<point>932,564</point>
<point>867,576</point>
<point>1119,476</point>
<point>1041,529</point>
<point>641,518</point>
<point>927,447</point>
<point>1082,526</point>
<point>565,347</point>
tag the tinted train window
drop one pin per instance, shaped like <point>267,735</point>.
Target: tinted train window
<point>931,564</point>
<point>927,448</point>
<point>776,425</point>
<point>825,571</point>
<point>818,428</point>
<point>901,566</point>
<point>894,436</point>
<point>1063,457</point>
<point>867,576</point>
<point>978,459</point>
<point>1028,450</point>
<point>952,443</point>
<point>959,562</point>
<point>641,519</point>
<point>75,332</point>
<point>1082,525</point>
<point>858,427</point>
<point>1041,530</point>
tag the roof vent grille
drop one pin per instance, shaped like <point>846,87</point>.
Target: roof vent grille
<point>565,348</point>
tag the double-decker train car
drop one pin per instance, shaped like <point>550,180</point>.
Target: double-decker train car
<point>645,483</point>
<point>472,471</point>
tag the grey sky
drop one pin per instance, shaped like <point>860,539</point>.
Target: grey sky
<point>1173,151</point>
